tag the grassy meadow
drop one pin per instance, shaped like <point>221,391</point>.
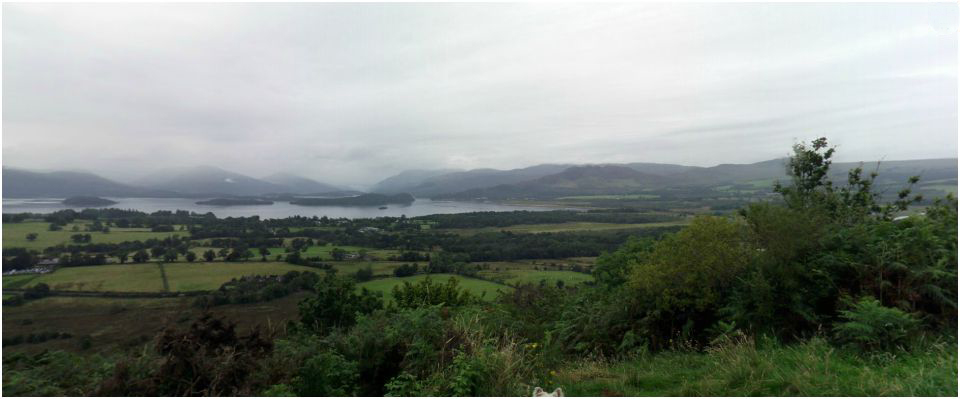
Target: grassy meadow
<point>527,276</point>
<point>144,277</point>
<point>487,289</point>
<point>15,235</point>
<point>379,268</point>
<point>203,276</point>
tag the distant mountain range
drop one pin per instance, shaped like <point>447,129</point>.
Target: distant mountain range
<point>19,183</point>
<point>539,181</point>
<point>403,181</point>
<point>456,181</point>
<point>201,181</point>
<point>550,181</point>
<point>574,180</point>
<point>207,180</point>
<point>300,185</point>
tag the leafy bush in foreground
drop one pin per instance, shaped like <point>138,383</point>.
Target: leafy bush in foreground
<point>327,374</point>
<point>427,292</point>
<point>871,326</point>
<point>337,304</point>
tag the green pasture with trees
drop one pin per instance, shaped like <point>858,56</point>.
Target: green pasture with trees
<point>824,290</point>
<point>18,234</point>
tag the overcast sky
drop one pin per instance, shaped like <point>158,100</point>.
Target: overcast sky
<point>353,93</point>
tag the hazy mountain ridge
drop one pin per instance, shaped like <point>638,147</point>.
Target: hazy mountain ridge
<point>574,180</point>
<point>475,178</point>
<point>617,179</point>
<point>19,183</point>
<point>407,179</point>
<point>296,184</point>
<point>547,180</point>
<point>207,180</point>
<point>660,169</point>
<point>201,181</point>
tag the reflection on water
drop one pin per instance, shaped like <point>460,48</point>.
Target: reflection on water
<point>278,210</point>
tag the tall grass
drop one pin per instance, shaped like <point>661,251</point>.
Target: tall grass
<point>744,368</point>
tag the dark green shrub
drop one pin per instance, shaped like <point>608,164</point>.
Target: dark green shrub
<point>871,326</point>
<point>427,292</point>
<point>37,291</point>
<point>327,374</point>
<point>613,269</point>
<point>405,270</point>
<point>273,291</point>
<point>363,274</point>
<point>385,344</point>
<point>602,321</point>
<point>529,310</point>
<point>250,289</point>
<point>337,303</point>
<point>474,374</point>
<point>85,342</point>
<point>471,375</point>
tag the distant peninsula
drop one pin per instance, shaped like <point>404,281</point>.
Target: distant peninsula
<point>87,201</point>
<point>360,200</point>
<point>234,201</point>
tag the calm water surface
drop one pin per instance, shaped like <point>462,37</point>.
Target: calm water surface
<point>278,210</point>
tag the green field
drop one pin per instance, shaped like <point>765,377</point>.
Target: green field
<point>379,268</point>
<point>209,276</point>
<point>487,289</point>
<point>130,278</point>
<point>15,235</point>
<point>146,277</point>
<point>550,277</point>
<point>561,227</point>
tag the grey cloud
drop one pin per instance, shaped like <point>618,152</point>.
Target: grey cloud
<point>352,93</point>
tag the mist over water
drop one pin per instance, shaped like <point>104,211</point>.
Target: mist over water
<point>278,210</point>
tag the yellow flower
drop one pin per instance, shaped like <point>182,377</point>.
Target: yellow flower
<point>553,372</point>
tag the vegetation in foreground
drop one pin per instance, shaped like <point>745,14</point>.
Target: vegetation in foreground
<point>746,368</point>
<point>824,293</point>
